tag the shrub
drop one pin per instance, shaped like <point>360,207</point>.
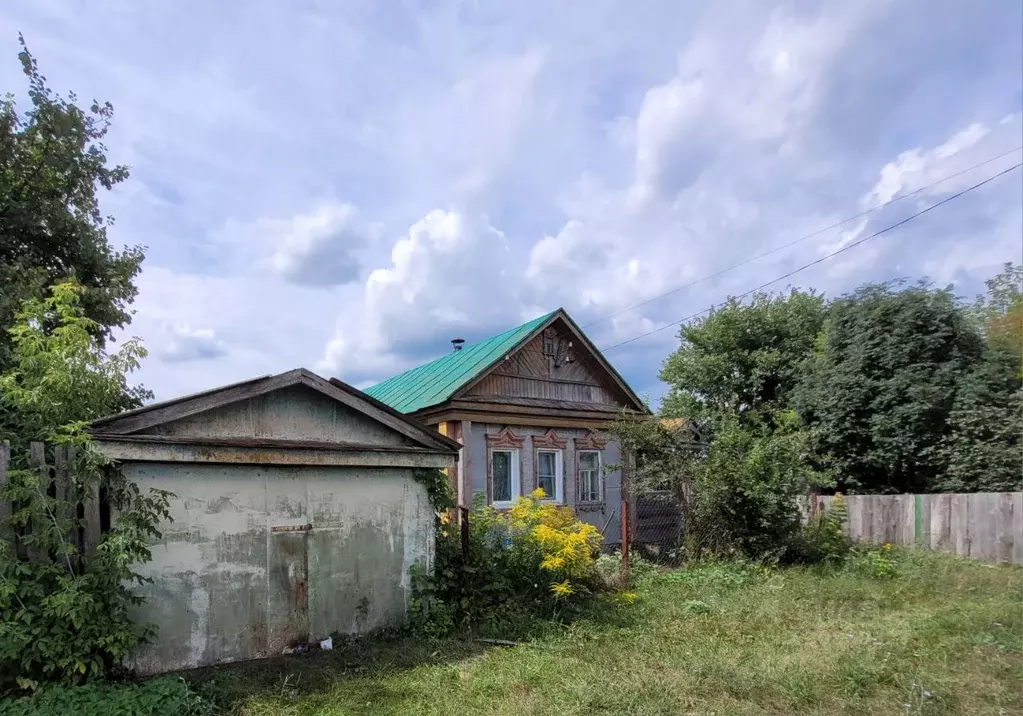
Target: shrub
<point>535,560</point>
<point>165,696</point>
<point>823,538</point>
<point>67,618</point>
<point>750,482</point>
<point>611,575</point>
<point>877,562</point>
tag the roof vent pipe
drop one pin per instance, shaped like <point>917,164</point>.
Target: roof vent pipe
<point>457,343</point>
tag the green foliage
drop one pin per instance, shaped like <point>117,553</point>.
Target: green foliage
<point>52,165</point>
<point>533,561</point>
<point>823,539</point>
<point>66,618</point>
<point>166,696</point>
<point>438,487</point>
<point>876,562</point>
<point>983,451</point>
<point>743,357</point>
<point>1000,312</point>
<point>883,384</point>
<point>714,576</point>
<point>750,482</point>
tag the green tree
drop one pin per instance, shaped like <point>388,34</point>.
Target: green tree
<point>1000,312</point>
<point>749,484</point>
<point>883,383</point>
<point>743,357</point>
<point>984,448</point>
<point>66,618</point>
<point>52,165</point>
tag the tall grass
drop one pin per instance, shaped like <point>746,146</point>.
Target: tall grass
<point>942,636</point>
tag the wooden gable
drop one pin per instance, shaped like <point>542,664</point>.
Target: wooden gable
<point>557,368</point>
<point>297,407</point>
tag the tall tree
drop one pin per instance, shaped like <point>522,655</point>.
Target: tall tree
<point>984,450</point>
<point>52,165</point>
<point>743,357</point>
<point>1000,312</point>
<point>882,385</point>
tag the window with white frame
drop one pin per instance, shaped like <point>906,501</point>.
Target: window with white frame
<point>504,476</point>
<point>591,486</point>
<point>550,475</point>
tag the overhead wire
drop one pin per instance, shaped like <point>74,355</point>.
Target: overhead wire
<point>801,239</point>
<point>821,259</point>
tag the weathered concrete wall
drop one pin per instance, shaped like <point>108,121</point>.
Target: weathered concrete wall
<point>259,558</point>
<point>295,413</point>
<point>608,514</point>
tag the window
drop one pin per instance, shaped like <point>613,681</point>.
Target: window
<point>591,486</point>
<point>504,475</point>
<point>549,474</point>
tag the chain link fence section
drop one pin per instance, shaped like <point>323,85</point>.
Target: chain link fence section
<point>669,530</point>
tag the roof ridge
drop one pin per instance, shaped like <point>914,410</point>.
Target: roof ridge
<point>439,378</point>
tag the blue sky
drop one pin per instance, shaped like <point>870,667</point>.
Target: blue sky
<point>347,186</point>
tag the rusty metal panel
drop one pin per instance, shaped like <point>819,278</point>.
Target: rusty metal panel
<point>258,559</point>
<point>288,561</point>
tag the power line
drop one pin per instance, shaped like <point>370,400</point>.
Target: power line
<point>800,239</point>
<point>822,258</point>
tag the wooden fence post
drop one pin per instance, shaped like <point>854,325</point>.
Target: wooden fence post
<point>91,531</point>
<point>37,463</point>
<point>5,505</point>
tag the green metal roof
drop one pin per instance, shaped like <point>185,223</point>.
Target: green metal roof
<point>434,382</point>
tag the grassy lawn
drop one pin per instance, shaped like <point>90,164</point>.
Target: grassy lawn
<point>945,636</point>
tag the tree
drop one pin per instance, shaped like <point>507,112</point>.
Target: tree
<point>748,486</point>
<point>52,165</point>
<point>883,383</point>
<point>984,449</point>
<point>66,618</point>
<point>743,358</point>
<point>1000,312</point>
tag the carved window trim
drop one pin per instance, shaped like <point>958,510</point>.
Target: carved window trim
<point>592,441</point>
<point>504,439</point>
<point>550,440</point>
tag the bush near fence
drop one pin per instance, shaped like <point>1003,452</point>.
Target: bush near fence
<point>986,526</point>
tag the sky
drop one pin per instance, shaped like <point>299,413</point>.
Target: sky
<point>348,186</point>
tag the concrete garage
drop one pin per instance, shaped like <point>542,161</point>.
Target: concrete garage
<point>296,514</point>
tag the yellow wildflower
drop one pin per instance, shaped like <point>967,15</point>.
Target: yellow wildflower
<point>562,589</point>
<point>552,562</point>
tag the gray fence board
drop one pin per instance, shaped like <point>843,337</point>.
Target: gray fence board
<point>5,506</point>
<point>984,526</point>
<point>61,483</point>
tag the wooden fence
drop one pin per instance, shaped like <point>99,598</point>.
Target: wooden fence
<point>987,526</point>
<point>55,467</point>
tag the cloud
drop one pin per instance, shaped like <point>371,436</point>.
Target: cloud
<point>403,174</point>
<point>451,271</point>
<point>191,344</point>
<point>318,249</point>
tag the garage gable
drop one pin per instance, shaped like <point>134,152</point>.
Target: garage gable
<point>297,406</point>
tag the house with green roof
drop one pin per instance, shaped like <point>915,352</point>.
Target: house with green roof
<point>528,407</point>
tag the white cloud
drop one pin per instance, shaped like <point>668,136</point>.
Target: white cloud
<point>449,270</point>
<point>518,156</point>
<point>191,344</point>
<point>318,248</point>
